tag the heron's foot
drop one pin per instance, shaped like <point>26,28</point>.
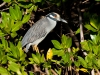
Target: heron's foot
<point>25,50</point>
<point>35,48</point>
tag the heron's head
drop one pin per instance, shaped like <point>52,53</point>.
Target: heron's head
<point>56,17</point>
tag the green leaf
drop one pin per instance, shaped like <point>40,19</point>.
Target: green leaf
<point>98,63</point>
<point>13,50</point>
<point>84,45</point>
<point>2,25</point>
<point>56,44</point>
<point>89,27</point>
<point>5,43</point>
<point>66,57</point>
<point>3,71</point>
<point>77,64</point>
<point>11,59</point>
<point>25,5</point>
<point>17,26</point>
<point>42,58</point>
<point>82,61</point>
<point>36,59</point>
<point>22,57</point>
<point>66,41</point>
<point>89,60</point>
<point>4,59</point>
<point>34,7</point>
<point>58,52</point>
<point>13,13</point>
<point>13,34</point>
<point>26,18</point>
<point>14,67</point>
<point>21,52</point>
<point>1,54</point>
<point>97,0</point>
<point>93,37</point>
<point>1,33</point>
<point>19,12</point>
<point>35,1</point>
<point>6,0</point>
<point>93,23</point>
<point>5,21</point>
<point>77,31</point>
<point>95,49</point>
<point>69,42</point>
<point>31,73</point>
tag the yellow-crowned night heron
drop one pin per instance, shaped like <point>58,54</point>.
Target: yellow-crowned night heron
<point>40,30</point>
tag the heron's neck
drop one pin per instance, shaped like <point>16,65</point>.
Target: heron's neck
<point>51,24</point>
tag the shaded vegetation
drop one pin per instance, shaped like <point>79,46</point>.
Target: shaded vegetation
<point>69,49</point>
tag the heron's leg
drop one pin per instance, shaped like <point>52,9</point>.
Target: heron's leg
<point>27,47</point>
<point>35,47</point>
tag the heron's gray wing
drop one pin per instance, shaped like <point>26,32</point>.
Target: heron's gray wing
<point>35,32</point>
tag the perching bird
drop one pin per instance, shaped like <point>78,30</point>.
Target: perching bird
<point>40,30</point>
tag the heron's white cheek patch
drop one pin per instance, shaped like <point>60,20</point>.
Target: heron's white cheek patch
<point>52,16</point>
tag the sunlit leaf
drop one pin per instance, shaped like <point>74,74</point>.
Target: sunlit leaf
<point>98,63</point>
<point>82,61</point>
<point>97,0</point>
<point>89,27</point>
<point>4,59</point>
<point>13,13</point>
<point>5,43</point>
<point>19,12</point>
<point>58,52</point>
<point>77,64</point>
<point>49,54</point>
<point>14,67</point>
<point>26,18</point>
<point>66,57</point>
<point>16,26</point>
<point>66,41</point>
<point>3,71</point>
<point>6,0</point>
<point>56,44</point>
<point>85,45</point>
<point>13,34</point>
<point>31,73</point>
<point>25,5</point>
<point>36,59</point>
<point>77,31</point>
<point>82,69</point>
<point>93,23</point>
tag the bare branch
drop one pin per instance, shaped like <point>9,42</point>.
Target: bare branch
<point>54,73</point>
<point>4,9</point>
<point>81,27</point>
<point>47,72</point>
<point>1,5</point>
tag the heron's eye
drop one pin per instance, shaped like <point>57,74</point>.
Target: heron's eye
<point>55,16</point>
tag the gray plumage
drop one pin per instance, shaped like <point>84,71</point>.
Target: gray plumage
<point>40,30</point>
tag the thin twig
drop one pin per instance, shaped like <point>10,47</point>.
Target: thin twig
<point>46,70</point>
<point>37,69</point>
<point>4,9</point>
<point>1,5</point>
<point>45,8</point>
<point>92,72</point>
<point>81,27</point>
<point>98,73</point>
<point>54,73</point>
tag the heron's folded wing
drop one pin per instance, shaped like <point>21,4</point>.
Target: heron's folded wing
<point>37,31</point>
